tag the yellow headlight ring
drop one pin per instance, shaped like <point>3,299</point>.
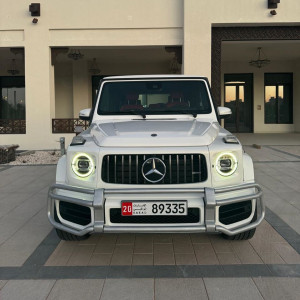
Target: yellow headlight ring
<point>234,165</point>
<point>91,169</point>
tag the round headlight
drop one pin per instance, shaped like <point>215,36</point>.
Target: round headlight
<point>83,165</point>
<point>226,164</point>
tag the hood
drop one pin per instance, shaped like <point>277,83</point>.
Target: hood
<point>155,133</point>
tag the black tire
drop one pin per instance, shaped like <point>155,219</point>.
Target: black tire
<point>247,235</point>
<point>66,236</point>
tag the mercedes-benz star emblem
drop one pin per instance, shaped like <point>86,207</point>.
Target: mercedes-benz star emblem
<point>153,169</point>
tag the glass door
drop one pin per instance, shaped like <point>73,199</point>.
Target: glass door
<point>238,97</point>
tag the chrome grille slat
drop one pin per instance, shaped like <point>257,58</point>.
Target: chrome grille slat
<point>180,168</point>
<point>177,163</point>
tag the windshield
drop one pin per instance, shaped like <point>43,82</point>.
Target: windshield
<point>154,97</point>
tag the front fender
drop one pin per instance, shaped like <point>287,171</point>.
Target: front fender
<point>61,168</point>
<point>248,168</point>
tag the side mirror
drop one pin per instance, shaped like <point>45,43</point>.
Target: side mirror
<point>224,112</point>
<point>85,114</point>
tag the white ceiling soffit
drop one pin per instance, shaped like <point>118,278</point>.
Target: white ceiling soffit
<point>274,50</point>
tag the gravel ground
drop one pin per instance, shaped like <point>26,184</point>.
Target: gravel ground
<point>36,158</point>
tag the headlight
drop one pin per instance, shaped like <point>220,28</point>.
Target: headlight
<point>226,164</point>
<point>83,165</point>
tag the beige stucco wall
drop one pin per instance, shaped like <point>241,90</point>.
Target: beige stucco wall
<point>115,23</point>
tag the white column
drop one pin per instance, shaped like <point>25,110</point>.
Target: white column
<point>197,40</point>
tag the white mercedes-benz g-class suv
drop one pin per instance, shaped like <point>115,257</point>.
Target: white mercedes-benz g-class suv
<point>155,159</point>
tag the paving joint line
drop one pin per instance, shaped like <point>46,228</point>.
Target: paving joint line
<point>284,152</point>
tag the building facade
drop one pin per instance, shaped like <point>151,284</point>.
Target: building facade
<point>52,58</point>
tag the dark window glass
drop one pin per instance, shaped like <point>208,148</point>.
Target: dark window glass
<point>154,97</point>
<point>279,98</point>
<point>12,100</point>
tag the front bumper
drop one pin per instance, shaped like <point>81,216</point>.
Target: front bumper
<point>210,200</point>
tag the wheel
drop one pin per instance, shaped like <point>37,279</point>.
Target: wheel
<point>247,235</point>
<point>66,236</point>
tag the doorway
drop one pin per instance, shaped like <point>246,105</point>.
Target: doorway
<point>239,98</point>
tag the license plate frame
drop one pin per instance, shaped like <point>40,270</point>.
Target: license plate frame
<point>146,208</point>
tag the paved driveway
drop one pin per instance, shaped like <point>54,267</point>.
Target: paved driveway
<point>34,264</point>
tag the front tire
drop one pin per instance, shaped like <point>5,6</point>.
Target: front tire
<point>247,235</point>
<point>66,236</point>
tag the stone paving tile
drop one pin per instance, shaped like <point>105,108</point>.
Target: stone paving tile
<point>141,246</point>
<point>181,246</point>
<point>120,259</point>
<point>231,288</point>
<point>127,289</point>
<point>123,249</point>
<point>142,259</point>
<point>104,248</point>
<point>100,259</point>
<point>174,289</point>
<point>76,289</point>
<point>2,283</point>
<point>199,238</point>
<point>27,289</point>
<point>289,255</point>
<point>266,247</point>
<point>245,252</point>
<point>163,249</point>
<point>162,238</point>
<point>228,258</point>
<point>164,258</point>
<point>278,288</point>
<point>62,254</point>
<point>205,254</point>
<point>81,255</point>
<point>185,259</point>
<point>11,256</point>
<point>126,238</point>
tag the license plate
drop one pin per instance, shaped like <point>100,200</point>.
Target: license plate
<point>150,208</point>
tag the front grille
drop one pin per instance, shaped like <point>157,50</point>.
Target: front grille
<point>75,213</point>
<point>193,216</point>
<point>180,168</point>
<point>235,212</point>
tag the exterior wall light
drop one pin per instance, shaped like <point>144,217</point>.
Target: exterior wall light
<point>35,9</point>
<point>273,3</point>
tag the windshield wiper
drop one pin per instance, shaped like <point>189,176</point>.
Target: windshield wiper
<point>185,112</point>
<point>127,112</point>
<point>134,112</point>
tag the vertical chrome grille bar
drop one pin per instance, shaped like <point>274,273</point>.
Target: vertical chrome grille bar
<point>122,168</point>
<point>199,167</point>
<point>129,168</point>
<point>170,167</point>
<point>163,159</point>
<point>107,171</point>
<point>177,163</point>
<point>137,168</point>
<point>115,171</point>
<point>192,163</point>
<point>184,167</point>
<point>144,158</point>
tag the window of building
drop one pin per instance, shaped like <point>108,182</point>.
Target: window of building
<point>278,98</point>
<point>12,101</point>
